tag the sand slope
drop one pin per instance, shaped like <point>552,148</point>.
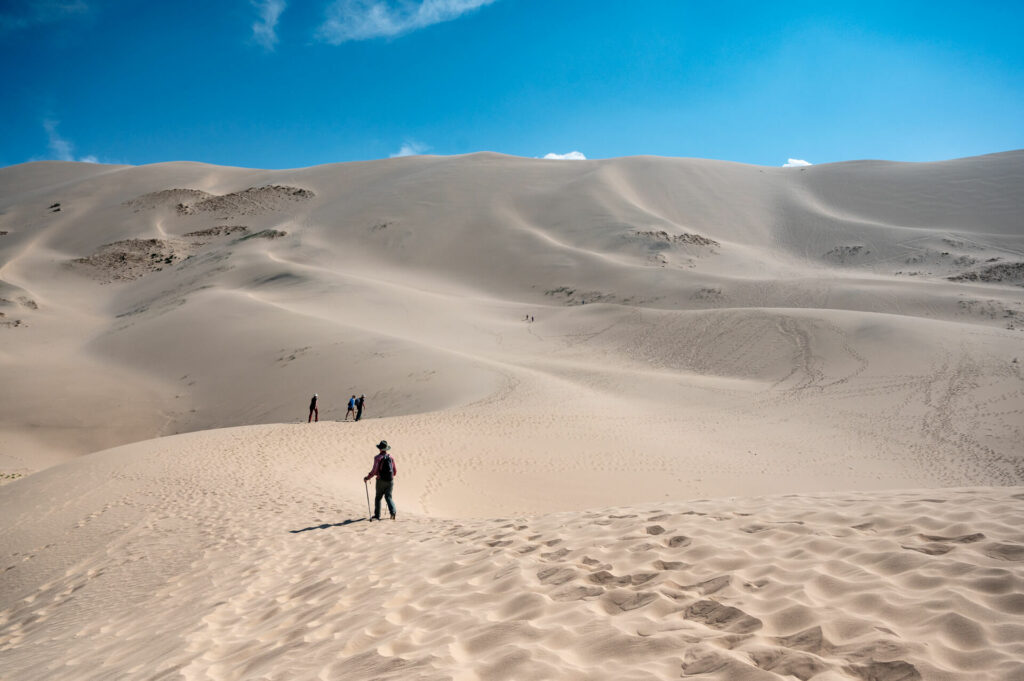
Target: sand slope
<point>244,554</point>
<point>825,302</point>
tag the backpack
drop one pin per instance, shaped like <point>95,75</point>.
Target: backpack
<point>386,470</point>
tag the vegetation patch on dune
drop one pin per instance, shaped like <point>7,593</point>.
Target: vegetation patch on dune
<point>213,232</point>
<point>12,323</point>
<point>264,234</point>
<point>1012,272</point>
<point>131,258</point>
<point>165,197</point>
<point>708,293</point>
<point>254,200</point>
<point>9,323</point>
<point>268,198</point>
<point>844,254</point>
<point>573,296</point>
<point>661,236</point>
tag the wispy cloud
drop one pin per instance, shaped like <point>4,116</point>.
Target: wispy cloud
<point>62,149</point>
<point>571,156</point>
<point>796,163</point>
<point>364,19</point>
<point>410,149</point>
<point>264,31</point>
<point>18,14</point>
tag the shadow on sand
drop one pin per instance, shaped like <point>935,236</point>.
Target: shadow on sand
<point>329,525</point>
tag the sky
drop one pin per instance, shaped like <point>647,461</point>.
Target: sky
<point>293,83</point>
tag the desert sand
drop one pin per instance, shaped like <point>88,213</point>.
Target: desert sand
<point>765,423</point>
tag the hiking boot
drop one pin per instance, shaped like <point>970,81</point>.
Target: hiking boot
<point>394,514</point>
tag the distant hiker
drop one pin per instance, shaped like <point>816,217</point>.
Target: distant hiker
<point>314,411</point>
<point>386,471</point>
<point>351,407</point>
<point>359,406</point>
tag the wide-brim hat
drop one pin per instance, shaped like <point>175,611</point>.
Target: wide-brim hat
<point>383,444</point>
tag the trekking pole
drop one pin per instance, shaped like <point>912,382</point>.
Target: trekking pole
<point>367,487</point>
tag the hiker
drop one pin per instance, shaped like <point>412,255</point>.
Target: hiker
<point>313,409</point>
<point>386,471</point>
<point>351,407</point>
<point>359,407</point>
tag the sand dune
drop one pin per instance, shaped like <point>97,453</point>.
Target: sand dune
<point>829,357</point>
<point>344,268</point>
<point>244,553</point>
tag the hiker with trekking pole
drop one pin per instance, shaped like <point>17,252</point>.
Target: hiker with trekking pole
<point>386,471</point>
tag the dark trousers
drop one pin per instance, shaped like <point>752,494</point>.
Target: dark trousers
<point>359,412</point>
<point>384,488</point>
<point>312,412</point>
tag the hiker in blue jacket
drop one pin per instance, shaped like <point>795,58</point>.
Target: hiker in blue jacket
<point>386,471</point>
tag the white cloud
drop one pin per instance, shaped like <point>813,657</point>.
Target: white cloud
<point>796,163</point>
<point>18,14</point>
<point>264,31</point>
<point>364,19</point>
<point>410,149</point>
<point>571,156</point>
<point>60,147</point>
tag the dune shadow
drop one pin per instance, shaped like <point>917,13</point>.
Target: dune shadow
<point>325,526</point>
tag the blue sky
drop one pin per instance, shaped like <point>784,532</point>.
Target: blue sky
<point>291,83</point>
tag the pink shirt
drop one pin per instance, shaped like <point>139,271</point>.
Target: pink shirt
<point>376,465</point>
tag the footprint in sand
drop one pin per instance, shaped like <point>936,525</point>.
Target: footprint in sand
<point>722,617</point>
<point>1011,552</point>
<point>897,670</point>
<point>789,663</point>
<point>556,576</point>
<point>555,555</point>
<point>961,539</point>
<point>712,585</point>
<point>931,549</point>
<point>810,640</point>
<point>666,565</point>
<point>623,601</point>
<point>577,593</point>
